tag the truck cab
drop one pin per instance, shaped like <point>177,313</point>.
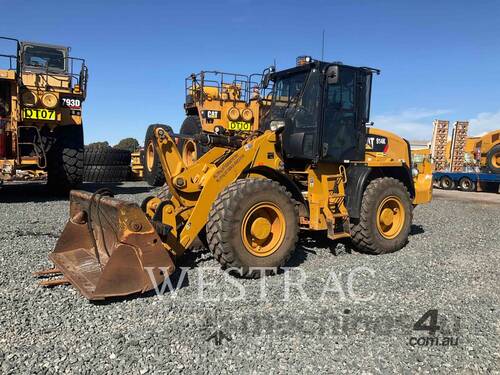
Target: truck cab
<point>42,90</point>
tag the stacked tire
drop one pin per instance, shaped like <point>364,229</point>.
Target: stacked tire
<point>106,164</point>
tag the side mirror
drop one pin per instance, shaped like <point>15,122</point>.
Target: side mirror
<point>332,75</point>
<point>266,77</point>
<point>265,80</point>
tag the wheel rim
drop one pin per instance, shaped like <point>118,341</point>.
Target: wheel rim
<point>150,156</point>
<point>445,182</point>
<point>189,152</point>
<point>466,184</point>
<point>390,217</point>
<point>263,229</point>
<point>496,160</point>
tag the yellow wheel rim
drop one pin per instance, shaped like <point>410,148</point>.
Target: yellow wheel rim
<point>496,160</point>
<point>263,229</point>
<point>189,153</point>
<point>150,156</point>
<point>390,217</point>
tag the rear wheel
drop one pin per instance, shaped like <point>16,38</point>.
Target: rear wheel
<point>153,172</point>
<point>446,183</point>
<point>466,184</point>
<point>253,223</point>
<point>65,159</point>
<point>385,217</point>
<point>493,159</point>
<point>189,149</point>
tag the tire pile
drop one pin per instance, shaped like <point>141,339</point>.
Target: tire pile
<point>106,164</point>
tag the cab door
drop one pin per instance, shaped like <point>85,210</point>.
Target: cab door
<point>346,107</point>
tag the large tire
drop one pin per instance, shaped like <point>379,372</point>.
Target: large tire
<point>189,149</point>
<point>247,204</point>
<point>153,172</point>
<point>106,156</point>
<point>466,184</point>
<point>65,159</point>
<point>446,183</point>
<point>493,159</point>
<point>106,173</point>
<point>374,232</point>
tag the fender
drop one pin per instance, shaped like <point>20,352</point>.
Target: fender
<point>283,179</point>
<point>357,177</point>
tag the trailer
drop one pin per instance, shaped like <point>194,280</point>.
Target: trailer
<point>467,181</point>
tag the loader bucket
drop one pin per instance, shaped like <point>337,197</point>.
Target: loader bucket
<point>107,245</point>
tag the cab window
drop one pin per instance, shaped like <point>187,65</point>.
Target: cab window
<point>287,89</point>
<point>41,57</point>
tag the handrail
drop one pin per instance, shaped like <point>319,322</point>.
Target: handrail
<point>10,57</point>
<point>79,78</point>
<point>213,78</point>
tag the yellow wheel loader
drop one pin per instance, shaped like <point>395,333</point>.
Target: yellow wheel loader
<point>42,90</point>
<point>312,165</point>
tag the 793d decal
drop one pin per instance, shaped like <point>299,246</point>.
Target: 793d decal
<point>70,102</point>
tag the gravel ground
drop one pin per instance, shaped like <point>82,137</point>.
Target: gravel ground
<point>450,264</point>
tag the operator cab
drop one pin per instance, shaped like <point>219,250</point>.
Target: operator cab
<point>44,57</point>
<point>323,108</point>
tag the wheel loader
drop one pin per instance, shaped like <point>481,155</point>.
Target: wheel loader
<point>314,164</point>
<point>42,90</point>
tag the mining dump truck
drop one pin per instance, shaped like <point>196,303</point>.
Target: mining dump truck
<point>42,90</point>
<point>216,102</point>
<point>314,164</point>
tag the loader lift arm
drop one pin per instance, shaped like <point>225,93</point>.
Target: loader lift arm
<point>195,188</point>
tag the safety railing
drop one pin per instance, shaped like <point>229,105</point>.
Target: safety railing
<point>225,86</point>
<point>75,70</point>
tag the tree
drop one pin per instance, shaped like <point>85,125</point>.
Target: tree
<point>129,144</point>
<point>98,145</point>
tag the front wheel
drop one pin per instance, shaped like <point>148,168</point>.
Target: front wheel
<point>253,224</point>
<point>153,172</point>
<point>385,218</point>
<point>190,149</point>
<point>65,159</point>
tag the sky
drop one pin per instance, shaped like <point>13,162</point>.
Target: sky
<point>439,59</point>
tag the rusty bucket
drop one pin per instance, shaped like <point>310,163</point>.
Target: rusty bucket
<point>107,247</point>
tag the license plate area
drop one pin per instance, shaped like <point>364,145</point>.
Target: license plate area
<point>240,125</point>
<point>39,114</point>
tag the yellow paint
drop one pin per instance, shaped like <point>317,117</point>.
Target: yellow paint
<point>263,229</point>
<point>390,217</point>
<point>195,187</point>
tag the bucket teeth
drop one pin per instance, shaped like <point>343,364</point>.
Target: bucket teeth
<point>54,282</point>
<point>48,272</point>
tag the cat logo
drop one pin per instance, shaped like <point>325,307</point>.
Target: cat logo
<point>377,143</point>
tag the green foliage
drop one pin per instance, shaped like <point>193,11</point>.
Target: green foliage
<point>98,145</point>
<point>129,144</point>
